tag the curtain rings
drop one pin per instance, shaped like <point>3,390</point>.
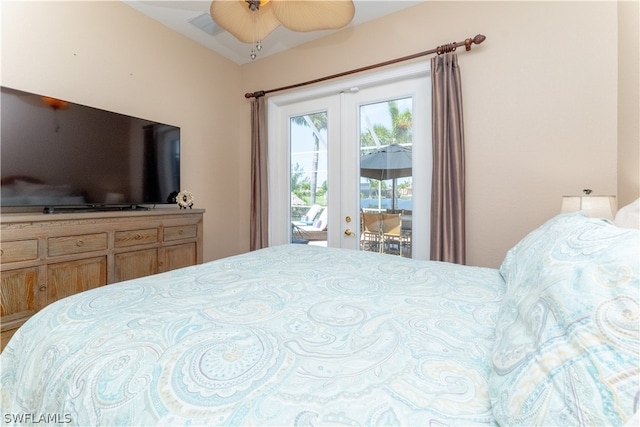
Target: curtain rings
<point>446,48</point>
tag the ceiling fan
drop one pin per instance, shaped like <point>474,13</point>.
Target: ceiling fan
<point>250,21</point>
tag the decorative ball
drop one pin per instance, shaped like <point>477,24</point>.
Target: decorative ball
<point>184,199</point>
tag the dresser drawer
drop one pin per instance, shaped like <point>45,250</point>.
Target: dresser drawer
<point>180,232</point>
<point>22,250</point>
<point>125,239</point>
<point>77,244</point>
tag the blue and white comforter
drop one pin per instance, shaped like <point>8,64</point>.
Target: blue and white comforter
<point>291,335</point>
<point>300,335</point>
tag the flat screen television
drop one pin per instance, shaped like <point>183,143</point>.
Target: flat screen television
<point>57,155</point>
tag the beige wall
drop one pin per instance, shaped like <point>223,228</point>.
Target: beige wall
<point>540,99</point>
<point>109,56</point>
<point>628,101</point>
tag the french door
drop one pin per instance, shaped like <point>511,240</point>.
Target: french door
<point>346,152</point>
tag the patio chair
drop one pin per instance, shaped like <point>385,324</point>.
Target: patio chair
<point>371,233</point>
<point>317,231</point>
<point>311,215</point>
<point>391,232</point>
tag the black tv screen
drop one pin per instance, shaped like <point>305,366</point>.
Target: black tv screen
<point>55,153</point>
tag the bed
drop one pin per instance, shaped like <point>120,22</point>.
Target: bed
<point>301,335</point>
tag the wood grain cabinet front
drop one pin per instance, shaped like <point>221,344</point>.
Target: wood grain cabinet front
<point>45,258</point>
<point>77,244</point>
<point>67,278</point>
<point>124,239</point>
<point>180,232</point>
<point>22,250</point>
<point>131,265</point>
<point>22,295</point>
<point>178,256</point>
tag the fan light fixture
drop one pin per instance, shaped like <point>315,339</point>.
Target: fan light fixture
<point>250,21</point>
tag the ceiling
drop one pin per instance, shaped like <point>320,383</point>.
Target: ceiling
<point>191,18</point>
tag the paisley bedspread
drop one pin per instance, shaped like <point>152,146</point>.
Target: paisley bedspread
<point>291,335</point>
<point>301,335</point>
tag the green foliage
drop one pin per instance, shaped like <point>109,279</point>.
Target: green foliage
<point>400,132</point>
<point>319,121</point>
<point>299,185</point>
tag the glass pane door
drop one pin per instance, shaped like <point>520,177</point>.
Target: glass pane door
<point>391,124</point>
<point>343,154</point>
<point>386,175</point>
<point>308,172</point>
<point>305,135</point>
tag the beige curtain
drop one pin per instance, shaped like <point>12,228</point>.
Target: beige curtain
<point>259,228</point>
<point>448,187</point>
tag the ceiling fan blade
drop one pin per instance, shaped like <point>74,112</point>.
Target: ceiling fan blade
<point>314,15</point>
<point>244,24</point>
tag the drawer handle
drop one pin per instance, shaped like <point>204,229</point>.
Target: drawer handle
<point>1,252</point>
<point>43,288</point>
<point>80,243</point>
<point>138,237</point>
<point>181,231</point>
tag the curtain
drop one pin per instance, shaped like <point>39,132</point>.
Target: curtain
<point>448,183</point>
<point>259,216</point>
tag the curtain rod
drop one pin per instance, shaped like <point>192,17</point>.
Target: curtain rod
<point>438,50</point>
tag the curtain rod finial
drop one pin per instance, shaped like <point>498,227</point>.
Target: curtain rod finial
<point>477,40</point>
<point>257,94</point>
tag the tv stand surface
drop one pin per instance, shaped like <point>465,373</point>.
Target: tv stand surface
<point>92,208</point>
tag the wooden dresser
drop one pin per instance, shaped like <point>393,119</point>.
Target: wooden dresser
<point>46,257</point>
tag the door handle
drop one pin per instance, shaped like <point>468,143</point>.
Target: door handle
<point>348,232</point>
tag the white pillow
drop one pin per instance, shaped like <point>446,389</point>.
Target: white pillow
<point>634,421</point>
<point>628,216</point>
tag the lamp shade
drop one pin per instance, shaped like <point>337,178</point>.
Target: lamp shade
<point>593,206</point>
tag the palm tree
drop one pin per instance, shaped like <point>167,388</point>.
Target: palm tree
<point>401,124</point>
<point>400,132</point>
<point>318,122</point>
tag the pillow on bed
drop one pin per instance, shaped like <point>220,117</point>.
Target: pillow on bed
<point>628,216</point>
<point>567,337</point>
